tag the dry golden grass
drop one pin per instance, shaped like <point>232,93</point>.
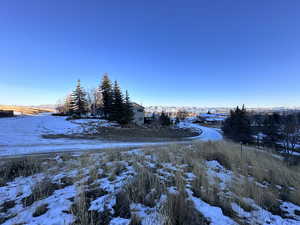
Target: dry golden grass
<point>266,169</point>
<point>145,188</point>
<point>178,210</point>
<point>161,173</point>
<point>12,168</point>
<point>26,110</point>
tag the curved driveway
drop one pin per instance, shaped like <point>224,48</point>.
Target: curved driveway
<point>22,135</point>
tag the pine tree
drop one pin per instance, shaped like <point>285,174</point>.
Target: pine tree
<point>271,130</point>
<point>238,126</point>
<point>164,119</point>
<point>177,120</point>
<point>128,112</point>
<point>79,101</point>
<point>107,96</point>
<point>69,103</point>
<point>117,112</point>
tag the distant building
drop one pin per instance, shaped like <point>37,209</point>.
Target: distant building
<point>212,118</point>
<point>139,114</point>
<point>6,113</point>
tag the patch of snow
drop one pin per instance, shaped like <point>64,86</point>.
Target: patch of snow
<point>206,133</point>
<point>119,221</point>
<point>103,203</point>
<point>262,216</point>
<point>134,152</point>
<point>290,209</point>
<point>214,214</point>
<point>58,203</point>
<point>23,135</point>
<point>216,170</point>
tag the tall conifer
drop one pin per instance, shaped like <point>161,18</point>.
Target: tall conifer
<point>117,113</point>
<point>128,111</point>
<point>79,101</point>
<point>107,95</point>
<point>238,126</point>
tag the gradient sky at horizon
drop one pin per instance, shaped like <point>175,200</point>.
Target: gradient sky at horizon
<point>191,53</point>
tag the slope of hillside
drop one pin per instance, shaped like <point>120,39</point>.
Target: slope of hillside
<point>26,110</point>
<point>198,183</point>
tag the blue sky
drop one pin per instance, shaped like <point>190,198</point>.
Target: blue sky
<point>201,53</point>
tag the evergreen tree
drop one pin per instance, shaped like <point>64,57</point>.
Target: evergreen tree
<point>298,118</point>
<point>238,126</point>
<point>177,120</point>
<point>118,109</point>
<point>164,119</point>
<point>128,112</point>
<point>69,103</point>
<point>107,96</point>
<point>79,101</point>
<point>271,130</point>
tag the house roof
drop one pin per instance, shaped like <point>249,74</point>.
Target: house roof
<point>137,105</point>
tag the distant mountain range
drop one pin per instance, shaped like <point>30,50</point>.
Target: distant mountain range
<point>193,109</point>
<point>190,109</point>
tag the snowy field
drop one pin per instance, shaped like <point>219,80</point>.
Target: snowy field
<point>149,186</point>
<point>23,135</point>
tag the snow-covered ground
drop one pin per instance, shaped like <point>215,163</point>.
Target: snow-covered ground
<point>23,135</point>
<point>206,133</point>
<point>106,174</point>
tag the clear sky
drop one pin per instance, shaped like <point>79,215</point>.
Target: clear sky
<point>165,52</point>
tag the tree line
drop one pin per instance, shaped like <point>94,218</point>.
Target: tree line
<point>271,130</point>
<point>106,101</point>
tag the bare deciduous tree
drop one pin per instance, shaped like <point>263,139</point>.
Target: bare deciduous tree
<point>290,134</point>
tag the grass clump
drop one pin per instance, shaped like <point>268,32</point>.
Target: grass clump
<point>40,210</point>
<point>7,205</point>
<point>177,210</point>
<point>13,168</point>
<point>84,216</point>
<point>135,220</point>
<point>266,198</point>
<point>145,188</point>
<point>41,190</point>
<point>122,206</point>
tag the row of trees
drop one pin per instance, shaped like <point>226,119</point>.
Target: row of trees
<point>237,126</point>
<point>275,130</point>
<point>106,101</point>
<point>114,106</point>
